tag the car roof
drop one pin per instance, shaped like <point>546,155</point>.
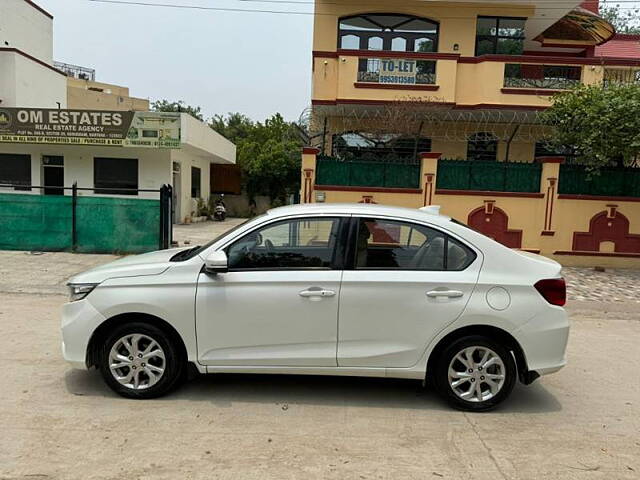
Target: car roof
<point>368,209</point>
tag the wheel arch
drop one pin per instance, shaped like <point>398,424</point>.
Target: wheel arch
<point>489,331</point>
<point>100,333</point>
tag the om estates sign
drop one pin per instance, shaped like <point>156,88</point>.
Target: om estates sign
<point>89,127</point>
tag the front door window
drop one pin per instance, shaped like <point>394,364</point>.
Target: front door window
<point>291,244</point>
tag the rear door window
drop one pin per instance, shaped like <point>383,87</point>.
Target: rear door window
<point>395,245</point>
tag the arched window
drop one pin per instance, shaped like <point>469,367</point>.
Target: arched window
<point>398,32</point>
<point>482,146</point>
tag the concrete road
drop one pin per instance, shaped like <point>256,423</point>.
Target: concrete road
<point>583,422</point>
<point>57,423</point>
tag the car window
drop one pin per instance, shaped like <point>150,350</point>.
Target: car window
<point>290,244</point>
<point>390,244</point>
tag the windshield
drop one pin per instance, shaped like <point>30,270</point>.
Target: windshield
<point>192,252</point>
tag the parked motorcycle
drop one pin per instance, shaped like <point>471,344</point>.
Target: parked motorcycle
<point>220,209</point>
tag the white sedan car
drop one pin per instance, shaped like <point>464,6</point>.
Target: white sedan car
<point>326,289</point>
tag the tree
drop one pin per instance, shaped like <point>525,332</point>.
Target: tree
<point>268,153</point>
<point>624,20</point>
<point>179,106</point>
<point>234,127</point>
<point>599,122</point>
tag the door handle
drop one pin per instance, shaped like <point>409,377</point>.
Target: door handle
<point>317,292</point>
<point>445,293</point>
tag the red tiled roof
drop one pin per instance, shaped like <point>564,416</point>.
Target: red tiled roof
<point>620,46</point>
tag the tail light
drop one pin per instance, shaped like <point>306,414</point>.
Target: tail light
<point>554,290</point>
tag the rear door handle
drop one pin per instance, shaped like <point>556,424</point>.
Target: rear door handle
<point>445,293</point>
<point>317,292</point>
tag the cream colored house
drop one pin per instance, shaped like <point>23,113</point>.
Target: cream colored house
<point>58,126</point>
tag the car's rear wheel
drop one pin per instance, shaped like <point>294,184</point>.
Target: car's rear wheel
<point>139,360</point>
<point>475,373</point>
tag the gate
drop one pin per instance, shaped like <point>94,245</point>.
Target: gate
<point>86,224</point>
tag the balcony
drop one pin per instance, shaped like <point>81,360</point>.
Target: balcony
<point>621,76</point>
<point>521,82</point>
<point>540,77</point>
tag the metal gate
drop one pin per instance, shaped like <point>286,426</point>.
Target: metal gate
<point>85,223</point>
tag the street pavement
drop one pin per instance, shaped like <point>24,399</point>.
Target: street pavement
<point>59,423</point>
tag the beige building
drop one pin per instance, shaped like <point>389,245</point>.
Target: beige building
<point>59,126</point>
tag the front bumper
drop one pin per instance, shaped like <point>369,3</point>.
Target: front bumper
<point>79,321</point>
<point>544,341</point>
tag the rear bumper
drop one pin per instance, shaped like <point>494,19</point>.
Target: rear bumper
<point>79,321</point>
<point>544,342</point>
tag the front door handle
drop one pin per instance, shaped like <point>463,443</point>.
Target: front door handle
<point>444,293</point>
<point>317,292</point>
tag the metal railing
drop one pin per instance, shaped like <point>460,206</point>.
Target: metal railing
<point>619,76</point>
<point>547,77</point>
<point>76,71</point>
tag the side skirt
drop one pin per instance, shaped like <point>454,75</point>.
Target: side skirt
<point>336,371</point>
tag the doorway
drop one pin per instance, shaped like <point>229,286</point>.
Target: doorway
<point>53,174</point>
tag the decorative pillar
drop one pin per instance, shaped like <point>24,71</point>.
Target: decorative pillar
<point>429,174</point>
<point>549,187</point>
<point>308,174</point>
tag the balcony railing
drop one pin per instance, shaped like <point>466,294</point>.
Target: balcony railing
<point>615,76</point>
<point>397,71</point>
<point>548,77</point>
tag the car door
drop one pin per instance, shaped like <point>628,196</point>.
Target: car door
<point>407,282</point>
<point>278,303</point>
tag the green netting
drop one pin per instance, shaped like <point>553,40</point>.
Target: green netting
<point>103,225</point>
<point>331,171</point>
<point>617,181</point>
<point>107,225</point>
<point>35,222</point>
<point>489,176</point>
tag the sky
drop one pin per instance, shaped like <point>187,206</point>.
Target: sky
<point>253,63</point>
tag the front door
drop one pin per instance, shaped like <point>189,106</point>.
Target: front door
<point>53,175</point>
<point>407,283</point>
<point>278,304</point>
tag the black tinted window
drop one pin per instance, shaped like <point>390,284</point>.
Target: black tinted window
<point>293,244</point>
<point>389,244</point>
<point>111,174</point>
<point>15,170</point>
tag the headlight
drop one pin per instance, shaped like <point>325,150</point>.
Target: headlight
<point>77,291</point>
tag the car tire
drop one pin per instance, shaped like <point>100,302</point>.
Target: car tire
<point>475,373</point>
<point>139,360</point>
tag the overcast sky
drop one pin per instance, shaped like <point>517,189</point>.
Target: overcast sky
<point>253,63</point>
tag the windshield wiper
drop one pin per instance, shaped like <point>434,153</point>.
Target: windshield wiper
<point>184,254</point>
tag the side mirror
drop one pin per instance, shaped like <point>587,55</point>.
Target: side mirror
<point>216,263</point>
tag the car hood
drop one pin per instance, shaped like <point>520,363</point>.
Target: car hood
<point>152,263</point>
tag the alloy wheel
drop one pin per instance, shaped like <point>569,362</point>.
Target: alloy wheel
<point>476,374</point>
<point>137,361</point>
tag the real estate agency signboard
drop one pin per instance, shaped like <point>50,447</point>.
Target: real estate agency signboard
<point>89,127</point>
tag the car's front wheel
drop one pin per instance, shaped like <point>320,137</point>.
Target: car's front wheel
<point>139,360</point>
<point>475,373</point>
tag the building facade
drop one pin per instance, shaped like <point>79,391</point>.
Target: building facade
<point>430,102</point>
<point>59,126</point>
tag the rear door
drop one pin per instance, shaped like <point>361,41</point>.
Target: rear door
<point>407,282</point>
